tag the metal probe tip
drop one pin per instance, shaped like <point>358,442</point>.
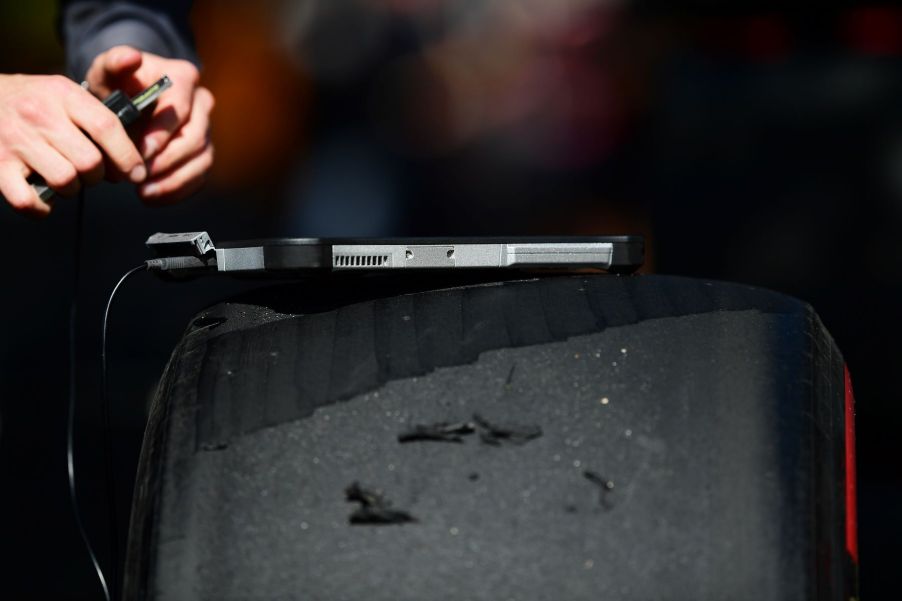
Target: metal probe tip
<point>150,95</point>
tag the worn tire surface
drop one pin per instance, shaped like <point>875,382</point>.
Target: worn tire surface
<point>640,438</point>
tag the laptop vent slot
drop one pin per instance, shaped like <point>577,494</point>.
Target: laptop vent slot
<point>360,261</point>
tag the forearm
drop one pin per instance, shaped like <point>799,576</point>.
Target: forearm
<point>90,27</point>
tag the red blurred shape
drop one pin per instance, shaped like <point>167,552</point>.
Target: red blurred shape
<point>874,30</point>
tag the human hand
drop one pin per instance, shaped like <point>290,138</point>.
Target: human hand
<point>45,124</point>
<point>175,141</point>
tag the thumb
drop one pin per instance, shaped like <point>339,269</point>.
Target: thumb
<point>121,60</point>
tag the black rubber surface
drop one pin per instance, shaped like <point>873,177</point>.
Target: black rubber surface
<point>616,438</point>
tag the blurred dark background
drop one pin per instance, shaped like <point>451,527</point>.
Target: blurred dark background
<point>760,144</point>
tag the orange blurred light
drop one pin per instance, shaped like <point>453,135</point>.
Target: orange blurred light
<point>262,98</point>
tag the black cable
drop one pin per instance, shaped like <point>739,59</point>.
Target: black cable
<point>108,433</point>
<point>70,426</point>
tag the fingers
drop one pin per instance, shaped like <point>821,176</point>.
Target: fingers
<point>189,140</point>
<point>174,108</point>
<point>38,136</point>
<point>18,192</point>
<point>59,130</point>
<point>121,59</point>
<point>79,151</point>
<point>111,67</point>
<point>59,173</point>
<point>107,132</point>
<point>179,168</point>
<point>130,70</point>
<point>179,183</point>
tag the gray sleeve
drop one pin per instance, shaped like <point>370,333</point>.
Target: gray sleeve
<point>89,28</point>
